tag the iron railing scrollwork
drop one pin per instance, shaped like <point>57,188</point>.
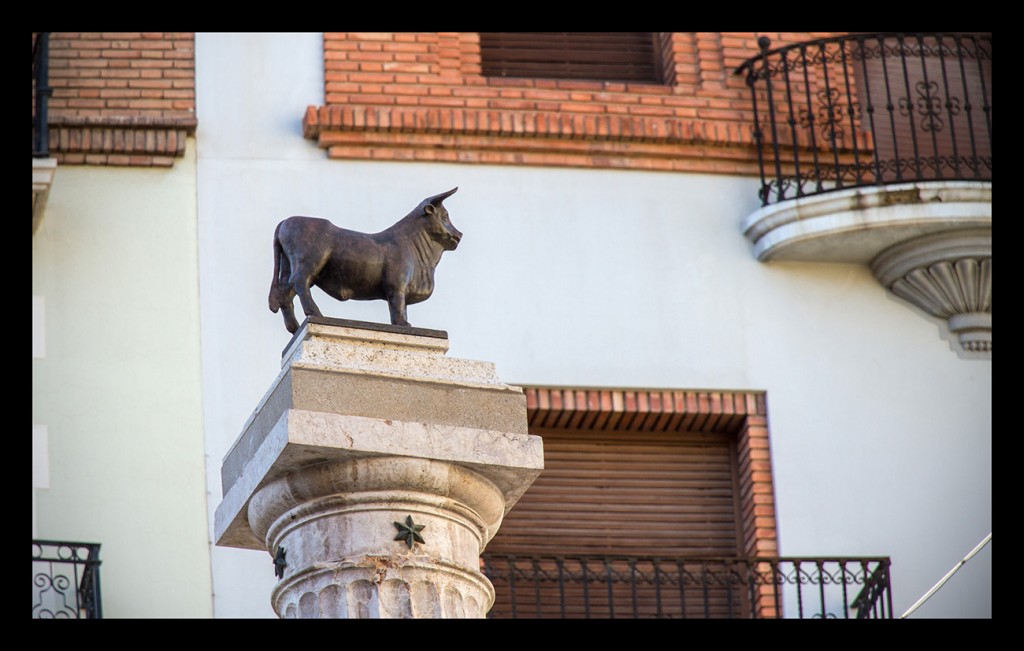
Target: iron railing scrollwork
<point>41,92</point>
<point>874,599</point>
<point>871,109</point>
<point>610,587</point>
<point>65,580</point>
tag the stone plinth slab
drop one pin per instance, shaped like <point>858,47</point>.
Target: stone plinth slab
<point>343,369</point>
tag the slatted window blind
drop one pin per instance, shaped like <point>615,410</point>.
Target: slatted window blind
<point>601,56</point>
<point>621,494</point>
<point>627,493</point>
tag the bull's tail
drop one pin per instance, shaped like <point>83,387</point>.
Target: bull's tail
<point>282,271</point>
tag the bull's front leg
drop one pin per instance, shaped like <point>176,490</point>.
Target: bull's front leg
<point>396,304</point>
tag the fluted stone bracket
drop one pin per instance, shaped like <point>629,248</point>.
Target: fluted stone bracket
<point>363,428</point>
<point>949,276</point>
<point>43,171</point>
<point>929,243</point>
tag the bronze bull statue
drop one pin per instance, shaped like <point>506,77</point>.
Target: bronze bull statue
<point>396,265</point>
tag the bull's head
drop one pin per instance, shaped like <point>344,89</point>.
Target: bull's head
<point>439,226</point>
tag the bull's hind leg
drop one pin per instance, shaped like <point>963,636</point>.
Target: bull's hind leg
<point>281,298</point>
<point>301,280</point>
<point>306,299</point>
<point>281,294</point>
<point>288,312</point>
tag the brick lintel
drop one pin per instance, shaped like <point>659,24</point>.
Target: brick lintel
<point>523,124</point>
<point>185,122</point>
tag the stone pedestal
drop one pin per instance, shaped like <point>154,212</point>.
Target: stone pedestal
<point>374,471</point>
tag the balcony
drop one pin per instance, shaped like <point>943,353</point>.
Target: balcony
<point>877,149</point>
<point>611,587</point>
<point>65,580</point>
<point>43,166</point>
<point>870,110</point>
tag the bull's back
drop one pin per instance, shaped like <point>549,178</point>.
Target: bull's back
<point>303,239</point>
<point>346,264</point>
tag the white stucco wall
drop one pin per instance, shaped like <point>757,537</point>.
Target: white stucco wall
<point>119,388</point>
<point>881,435</point>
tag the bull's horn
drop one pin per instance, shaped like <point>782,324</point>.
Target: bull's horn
<point>438,198</point>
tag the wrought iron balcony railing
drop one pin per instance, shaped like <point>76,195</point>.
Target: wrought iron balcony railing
<point>871,109</point>
<point>65,580</point>
<point>606,587</point>
<point>41,92</point>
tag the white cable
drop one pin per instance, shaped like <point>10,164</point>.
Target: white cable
<point>950,573</point>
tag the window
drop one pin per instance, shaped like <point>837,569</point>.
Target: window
<point>646,498</point>
<point>600,56</point>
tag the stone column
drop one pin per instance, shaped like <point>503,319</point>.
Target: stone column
<point>375,471</point>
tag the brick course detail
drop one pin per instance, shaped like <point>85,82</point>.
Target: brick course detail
<point>421,96</point>
<point>121,98</point>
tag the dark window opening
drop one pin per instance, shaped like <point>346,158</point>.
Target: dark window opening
<point>599,56</point>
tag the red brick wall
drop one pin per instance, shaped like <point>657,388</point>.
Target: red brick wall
<point>121,98</point>
<point>757,496</point>
<point>420,96</point>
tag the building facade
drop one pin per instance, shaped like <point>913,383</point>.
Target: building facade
<point>607,251</point>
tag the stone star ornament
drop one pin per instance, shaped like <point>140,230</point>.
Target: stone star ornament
<point>409,532</point>
<point>280,563</point>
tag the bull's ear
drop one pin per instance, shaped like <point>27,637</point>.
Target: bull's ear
<point>429,209</point>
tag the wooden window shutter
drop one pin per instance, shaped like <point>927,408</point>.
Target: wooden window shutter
<point>600,56</point>
<point>620,495</point>
<point>646,501</point>
<point>646,493</point>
